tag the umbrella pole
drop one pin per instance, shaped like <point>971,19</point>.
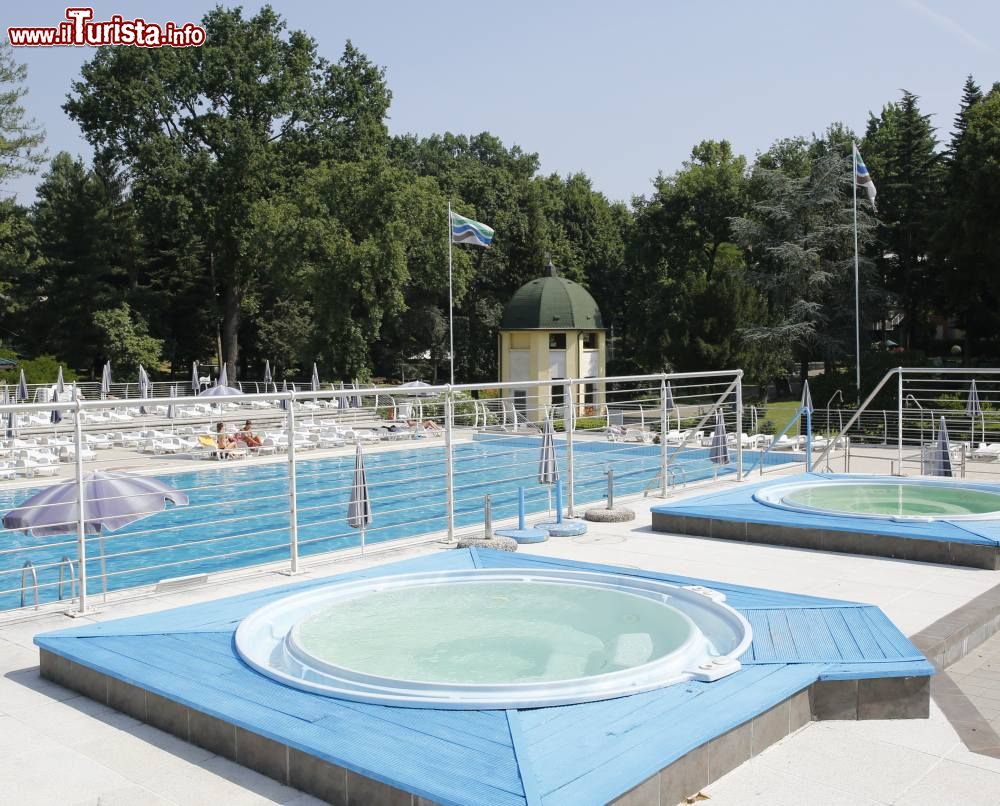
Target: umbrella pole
<point>104,567</point>
<point>362,541</point>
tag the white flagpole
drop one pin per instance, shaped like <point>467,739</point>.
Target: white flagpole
<point>451,306</point>
<point>857,274</point>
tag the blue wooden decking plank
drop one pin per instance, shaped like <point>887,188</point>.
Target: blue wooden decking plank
<point>860,628</point>
<point>890,668</point>
<point>812,638</point>
<point>840,632</point>
<point>763,646</point>
<point>890,636</point>
<point>525,761</point>
<point>660,742</point>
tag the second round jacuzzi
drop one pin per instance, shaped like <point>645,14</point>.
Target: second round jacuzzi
<point>494,638</point>
<point>896,499</point>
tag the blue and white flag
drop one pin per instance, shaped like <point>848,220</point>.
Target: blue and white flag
<point>862,178</point>
<point>465,230</point>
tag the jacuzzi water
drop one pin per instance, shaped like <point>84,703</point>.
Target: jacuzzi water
<point>879,497</point>
<point>494,638</point>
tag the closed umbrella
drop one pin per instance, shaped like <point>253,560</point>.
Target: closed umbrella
<point>195,380</point>
<point>22,390</point>
<point>359,508</point>
<point>314,381</point>
<point>974,409</point>
<point>342,402</point>
<point>807,405</point>
<point>719,450</point>
<point>111,501</point>
<point>143,387</point>
<point>223,377</point>
<point>106,380</point>
<point>669,405</point>
<point>60,383</point>
<point>940,464</point>
<point>267,374</point>
<point>10,429</point>
<point>170,406</point>
<point>548,468</point>
<point>356,400</point>
<point>284,389</point>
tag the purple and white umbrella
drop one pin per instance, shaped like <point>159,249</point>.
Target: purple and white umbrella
<point>718,452</point>
<point>359,508</point>
<point>223,377</point>
<point>220,391</point>
<point>111,501</point>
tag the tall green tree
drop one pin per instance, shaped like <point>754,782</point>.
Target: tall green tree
<point>21,139</point>
<point>208,133</point>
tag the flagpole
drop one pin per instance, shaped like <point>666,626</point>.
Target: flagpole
<point>451,306</point>
<point>857,275</point>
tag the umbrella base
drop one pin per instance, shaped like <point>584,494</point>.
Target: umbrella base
<point>495,543</point>
<point>605,515</point>
<point>524,535</point>
<point>570,527</point>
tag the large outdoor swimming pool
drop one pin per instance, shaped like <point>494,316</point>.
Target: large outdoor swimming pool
<point>238,515</point>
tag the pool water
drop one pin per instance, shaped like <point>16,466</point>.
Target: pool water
<point>238,515</point>
<point>899,500</point>
<point>493,632</point>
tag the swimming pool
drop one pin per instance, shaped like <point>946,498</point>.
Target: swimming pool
<point>893,498</point>
<point>238,515</point>
<point>488,638</point>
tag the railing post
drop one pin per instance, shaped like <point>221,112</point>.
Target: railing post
<point>293,507</point>
<point>739,427</point>
<point>569,425</point>
<point>449,481</point>
<point>899,424</point>
<point>81,519</point>
<point>663,437</point>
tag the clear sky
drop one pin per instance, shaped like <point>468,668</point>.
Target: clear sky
<point>618,90</point>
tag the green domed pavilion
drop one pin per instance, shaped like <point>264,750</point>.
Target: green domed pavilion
<point>552,329</point>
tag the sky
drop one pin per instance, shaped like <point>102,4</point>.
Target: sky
<point>619,91</point>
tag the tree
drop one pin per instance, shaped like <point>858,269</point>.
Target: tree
<point>126,340</point>
<point>908,173</point>
<point>689,295</point>
<point>208,133</point>
<point>799,241</point>
<point>20,139</point>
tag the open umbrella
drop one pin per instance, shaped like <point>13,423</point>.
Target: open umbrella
<point>106,380</point>
<point>718,452</point>
<point>22,389</point>
<point>220,391</point>
<point>111,501</point>
<point>548,467</point>
<point>974,409</point>
<point>195,380</point>
<point>223,379</point>
<point>417,389</point>
<point>359,508</point>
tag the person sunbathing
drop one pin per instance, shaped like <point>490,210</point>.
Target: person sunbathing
<point>430,425</point>
<point>222,440</point>
<point>246,434</point>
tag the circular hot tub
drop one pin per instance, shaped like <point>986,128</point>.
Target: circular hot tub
<point>494,638</point>
<point>888,498</point>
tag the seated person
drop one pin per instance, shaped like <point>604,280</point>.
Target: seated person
<point>246,434</point>
<point>222,440</point>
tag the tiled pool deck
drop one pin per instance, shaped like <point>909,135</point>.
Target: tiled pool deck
<point>58,747</point>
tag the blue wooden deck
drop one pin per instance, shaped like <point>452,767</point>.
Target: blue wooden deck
<point>739,505</point>
<point>590,752</point>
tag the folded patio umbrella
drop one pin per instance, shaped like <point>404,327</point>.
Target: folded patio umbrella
<point>719,450</point>
<point>974,409</point>
<point>359,508</point>
<point>195,380</point>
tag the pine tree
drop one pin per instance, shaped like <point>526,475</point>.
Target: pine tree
<point>971,95</point>
<point>20,139</point>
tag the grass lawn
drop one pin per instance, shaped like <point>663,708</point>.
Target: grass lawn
<point>780,413</point>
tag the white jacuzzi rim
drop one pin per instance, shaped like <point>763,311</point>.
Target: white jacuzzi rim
<point>773,496</point>
<point>262,637</point>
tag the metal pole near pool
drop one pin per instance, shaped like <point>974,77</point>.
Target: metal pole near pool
<point>739,427</point>
<point>449,480</point>
<point>81,528</point>
<point>899,422</point>
<point>293,514</point>
<point>569,426</point>
<point>663,437</point>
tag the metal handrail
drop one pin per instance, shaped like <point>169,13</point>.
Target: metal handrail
<point>794,419</point>
<point>29,568</point>
<point>64,563</point>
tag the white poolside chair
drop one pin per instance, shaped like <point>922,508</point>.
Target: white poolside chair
<point>67,453</point>
<point>38,466</point>
<point>8,470</point>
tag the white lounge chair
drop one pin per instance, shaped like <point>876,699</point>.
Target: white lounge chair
<point>67,453</point>
<point>8,470</point>
<point>38,466</point>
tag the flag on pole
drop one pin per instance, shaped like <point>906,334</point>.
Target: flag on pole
<point>465,230</point>
<point>862,177</point>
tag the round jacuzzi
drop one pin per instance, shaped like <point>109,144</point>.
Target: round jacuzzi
<point>494,638</point>
<point>889,498</point>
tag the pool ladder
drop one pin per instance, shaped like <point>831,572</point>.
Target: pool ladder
<point>29,570</point>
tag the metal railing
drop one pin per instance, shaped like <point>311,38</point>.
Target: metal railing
<point>432,455</point>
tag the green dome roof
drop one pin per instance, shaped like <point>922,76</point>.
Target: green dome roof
<point>551,303</point>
